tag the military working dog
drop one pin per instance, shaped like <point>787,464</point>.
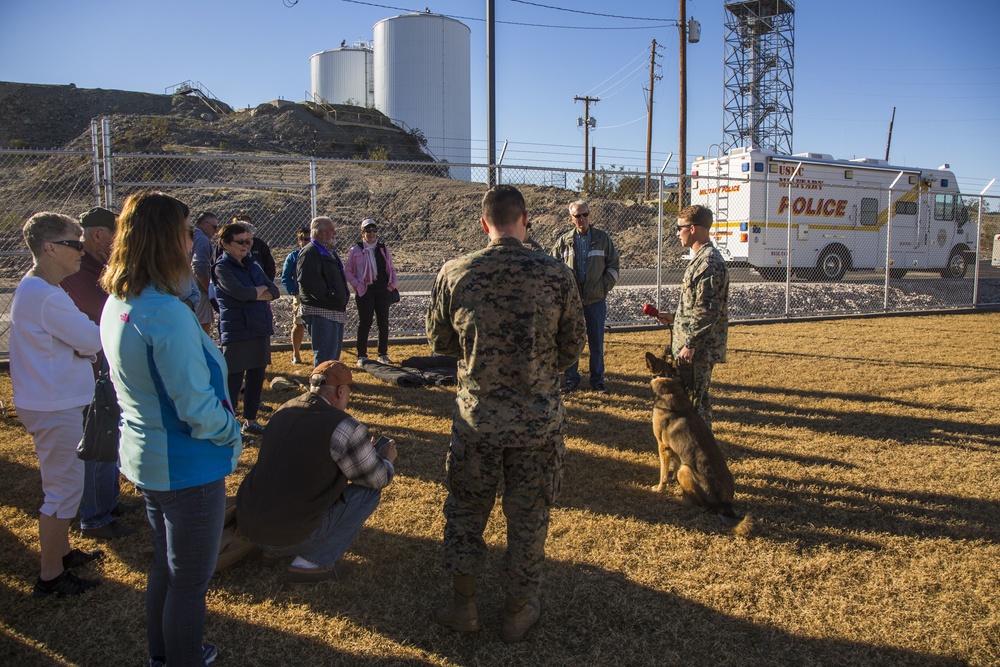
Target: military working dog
<point>688,450</point>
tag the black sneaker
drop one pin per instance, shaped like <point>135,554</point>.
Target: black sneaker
<point>78,558</point>
<point>600,388</point>
<point>121,509</point>
<point>65,584</point>
<point>252,427</point>
<point>567,388</point>
<point>264,407</point>
<point>209,652</point>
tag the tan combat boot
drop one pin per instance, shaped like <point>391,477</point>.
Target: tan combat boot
<point>519,615</point>
<point>460,615</point>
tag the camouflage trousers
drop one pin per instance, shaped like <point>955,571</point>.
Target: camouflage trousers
<point>532,477</point>
<point>696,377</point>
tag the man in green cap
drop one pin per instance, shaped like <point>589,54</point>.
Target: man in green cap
<point>99,507</point>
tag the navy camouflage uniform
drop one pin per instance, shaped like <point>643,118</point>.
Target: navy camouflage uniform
<point>702,322</point>
<point>513,318</point>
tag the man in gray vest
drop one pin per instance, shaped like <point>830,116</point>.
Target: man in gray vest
<point>318,477</point>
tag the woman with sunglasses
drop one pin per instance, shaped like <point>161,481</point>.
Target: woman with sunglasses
<point>245,319</point>
<point>52,345</point>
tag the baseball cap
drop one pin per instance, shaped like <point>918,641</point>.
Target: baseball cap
<point>368,222</point>
<point>98,217</point>
<point>331,373</point>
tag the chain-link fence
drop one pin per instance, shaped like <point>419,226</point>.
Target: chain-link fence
<point>427,217</point>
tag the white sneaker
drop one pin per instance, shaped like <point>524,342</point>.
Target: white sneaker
<point>384,359</point>
<point>361,361</point>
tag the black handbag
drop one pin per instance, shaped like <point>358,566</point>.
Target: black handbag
<point>393,296</point>
<point>100,421</point>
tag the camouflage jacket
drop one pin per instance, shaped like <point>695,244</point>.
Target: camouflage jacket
<point>513,318</point>
<point>702,317</point>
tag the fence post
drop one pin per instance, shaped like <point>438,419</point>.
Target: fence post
<point>95,162</point>
<point>109,176</point>
<point>312,186</point>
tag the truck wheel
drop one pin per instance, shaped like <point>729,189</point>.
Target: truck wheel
<point>832,263</point>
<point>957,264</point>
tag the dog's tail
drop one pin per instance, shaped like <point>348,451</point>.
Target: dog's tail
<point>741,526</point>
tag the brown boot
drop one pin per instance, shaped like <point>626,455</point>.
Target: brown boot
<point>519,615</point>
<point>460,615</point>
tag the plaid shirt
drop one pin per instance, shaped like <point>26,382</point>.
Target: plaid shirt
<point>354,453</point>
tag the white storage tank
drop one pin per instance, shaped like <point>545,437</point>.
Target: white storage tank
<point>422,78</point>
<point>343,76</point>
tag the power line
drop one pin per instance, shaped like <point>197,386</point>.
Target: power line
<point>580,11</point>
<point>518,23</point>
<point>641,54</point>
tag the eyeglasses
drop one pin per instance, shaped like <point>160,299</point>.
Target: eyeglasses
<point>243,241</point>
<point>680,227</point>
<point>580,215</point>
<point>369,231</point>
<point>72,243</point>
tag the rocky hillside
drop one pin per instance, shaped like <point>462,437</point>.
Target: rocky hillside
<point>54,117</point>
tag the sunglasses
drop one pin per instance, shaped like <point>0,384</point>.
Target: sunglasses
<point>243,241</point>
<point>72,243</point>
<point>580,215</point>
<point>680,227</point>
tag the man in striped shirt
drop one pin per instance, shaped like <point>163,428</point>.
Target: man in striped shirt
<point>318,477</point>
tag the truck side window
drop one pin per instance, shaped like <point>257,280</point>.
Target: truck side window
<point>869,211</point>
<point>944,207</point>
<point>906,207</point>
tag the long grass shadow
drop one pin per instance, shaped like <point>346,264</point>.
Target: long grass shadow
<point>590,616</point>
<point>904,429</point>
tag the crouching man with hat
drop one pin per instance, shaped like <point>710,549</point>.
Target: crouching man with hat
<point>318,477</point>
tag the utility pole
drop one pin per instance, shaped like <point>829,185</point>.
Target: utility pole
<point>586,130</point>
<point>649,115</point>
<point>491,85</point>
<point>888,141</point>
<point>682,140</point>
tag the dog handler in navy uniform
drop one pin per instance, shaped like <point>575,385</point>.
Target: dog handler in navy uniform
<point>701,322</point>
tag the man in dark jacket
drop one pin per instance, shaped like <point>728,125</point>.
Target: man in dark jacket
<point>318,477</point>
<point>323,291</point>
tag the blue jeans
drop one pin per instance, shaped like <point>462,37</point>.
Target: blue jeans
<point>100,494</point>
<point>595,314</point>
<point>341,524</point>
<point>187,528</point>
<point>327,338</point>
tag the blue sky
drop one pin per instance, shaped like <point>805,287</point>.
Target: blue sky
<point>939,65</point>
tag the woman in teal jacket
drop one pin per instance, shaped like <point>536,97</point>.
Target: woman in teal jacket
<point>179,438</point>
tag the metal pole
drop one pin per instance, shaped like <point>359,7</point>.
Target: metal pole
<point>491,84</point>
<point>109,183</point>
<point>312,187</point>
<point>649,116</point>
<point>888,243</point>
<point>682,98</point>
<point>788,246</point>
<point>95,147</point>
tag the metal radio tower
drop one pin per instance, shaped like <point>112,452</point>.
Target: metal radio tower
<point>760,49</point>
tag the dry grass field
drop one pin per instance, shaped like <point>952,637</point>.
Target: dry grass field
<point>866,450</point>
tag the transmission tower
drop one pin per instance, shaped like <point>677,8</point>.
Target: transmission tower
<point>760,50</point>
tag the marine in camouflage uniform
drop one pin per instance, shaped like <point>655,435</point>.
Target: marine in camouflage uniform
<point>701,321</point>
<point>514,319</point>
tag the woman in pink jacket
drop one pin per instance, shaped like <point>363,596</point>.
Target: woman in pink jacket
<point>371,274</point>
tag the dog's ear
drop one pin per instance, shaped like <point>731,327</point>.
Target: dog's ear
<point>655,364</point>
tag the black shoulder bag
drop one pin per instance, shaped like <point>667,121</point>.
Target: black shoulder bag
<point>100,421</point>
